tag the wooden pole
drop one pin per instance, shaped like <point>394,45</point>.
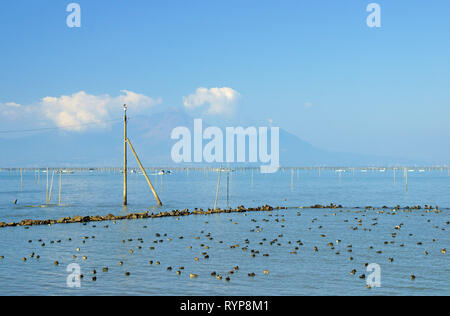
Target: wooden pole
<point>46,201</point>
<point>218,186</point>
<point>228,190</point>
<point>145,173</point>
<point>125,202</point>
<point>292,180</point>
<point>406,179</point>
<point>51,188</point>
<point>60,184</point>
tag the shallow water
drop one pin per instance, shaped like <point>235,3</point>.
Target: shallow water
<point>305,273</point>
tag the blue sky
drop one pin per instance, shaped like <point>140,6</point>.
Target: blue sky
<point>311,67</point>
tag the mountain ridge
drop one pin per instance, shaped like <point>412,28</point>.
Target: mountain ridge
<point>150,136</point>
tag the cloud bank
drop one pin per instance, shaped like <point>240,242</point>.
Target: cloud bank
<point>218,101</point>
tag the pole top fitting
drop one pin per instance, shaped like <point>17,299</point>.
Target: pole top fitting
<point>125,107</point>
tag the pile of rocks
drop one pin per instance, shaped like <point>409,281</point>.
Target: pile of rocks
<point>110,217</point>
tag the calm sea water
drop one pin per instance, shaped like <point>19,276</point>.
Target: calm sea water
<point>325,272</point>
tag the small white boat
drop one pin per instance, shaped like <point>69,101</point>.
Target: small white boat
<point>162,172</point>
<point>223,170</point>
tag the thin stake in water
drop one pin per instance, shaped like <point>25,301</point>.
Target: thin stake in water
<point>292,180</point>
<point>46,197</point>
<point>218,186</point>
<point>51,188</point>
<point>60,185</point>
<point>406,175</point>
<point>228,191</point>
<point>21,180</point>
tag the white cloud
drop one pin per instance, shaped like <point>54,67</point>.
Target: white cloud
<point>137,100</point>
<point>75,111</point>
<point>12,104</point>
<point>220,101</point>
<point>10,110</point>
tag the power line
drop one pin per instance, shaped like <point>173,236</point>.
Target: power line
<point>57,128</point>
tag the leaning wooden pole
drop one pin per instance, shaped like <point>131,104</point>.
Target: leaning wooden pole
<point>125,202</point>
<point>145,173</point>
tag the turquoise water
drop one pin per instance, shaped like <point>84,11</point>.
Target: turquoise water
<point>305,273</point>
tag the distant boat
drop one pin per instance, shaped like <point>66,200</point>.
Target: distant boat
<point>65,171</point>
<point>162,172</point>
<point>223,170</point>
<point>364,170</point>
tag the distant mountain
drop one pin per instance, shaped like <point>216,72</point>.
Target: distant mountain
<point>150,135</point>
